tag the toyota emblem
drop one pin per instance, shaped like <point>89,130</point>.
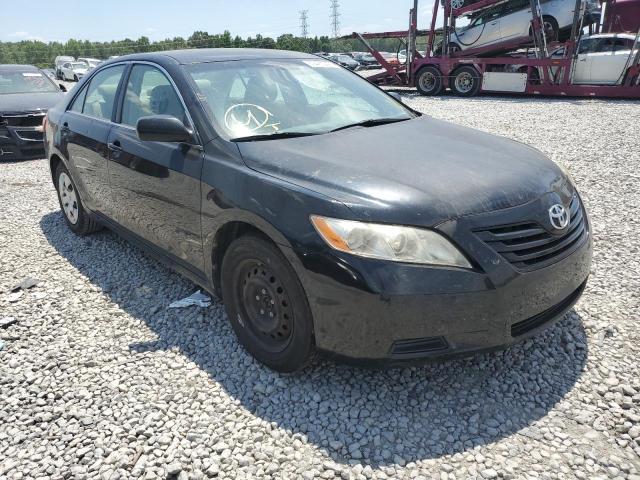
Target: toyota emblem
<point>559,217</point>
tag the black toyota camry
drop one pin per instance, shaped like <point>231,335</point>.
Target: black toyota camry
<point>26,94</point>
<point>327,215</point>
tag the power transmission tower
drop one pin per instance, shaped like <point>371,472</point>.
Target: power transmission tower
<point>335,18</point>
<point>304,23</point>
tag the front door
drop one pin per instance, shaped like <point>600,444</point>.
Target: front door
<point>582,64</point>
<point>84,134</point>
<point>156,185</point>
<point>484,30</point>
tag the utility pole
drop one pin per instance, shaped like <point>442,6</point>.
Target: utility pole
<point>304,23</point>
<point>335,18</point>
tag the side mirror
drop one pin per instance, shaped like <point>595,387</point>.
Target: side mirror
<point>396,95</point>
<point>62,88</point>
<point>163,128</point>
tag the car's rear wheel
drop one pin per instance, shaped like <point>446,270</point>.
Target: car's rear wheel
<point>465,81</point>
<point>266,304</point>
<point>75,215</point>
<point>429,81</point>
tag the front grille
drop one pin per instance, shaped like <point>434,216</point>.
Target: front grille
<point>24,120</point>
<point>528,246</point>
<point>30,135</point>
<point>418,346</point>
<point>531,323</point>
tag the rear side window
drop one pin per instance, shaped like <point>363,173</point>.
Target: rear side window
<point>101,93</point>
<point>149,92</point>
<point>78,103</point>
<point>620,44</point>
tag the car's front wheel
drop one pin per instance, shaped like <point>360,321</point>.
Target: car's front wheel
<point>266,304</point>
<point>75,215</point>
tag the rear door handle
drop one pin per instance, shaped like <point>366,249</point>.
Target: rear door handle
<point>115,146</point>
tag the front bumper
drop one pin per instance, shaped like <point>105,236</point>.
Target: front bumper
<point>21,143</point>
<point>383,312</point>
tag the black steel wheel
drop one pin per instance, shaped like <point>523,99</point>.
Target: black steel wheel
<point>429,81</point>
<point>266,304</point>
<point>465,81</point>
<point>75,215</point>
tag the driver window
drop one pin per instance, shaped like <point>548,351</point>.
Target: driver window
<point>588,45</point>
<point>149,92</point>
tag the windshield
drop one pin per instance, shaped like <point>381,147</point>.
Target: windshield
<point>25,82</point>
<point>262,97</point>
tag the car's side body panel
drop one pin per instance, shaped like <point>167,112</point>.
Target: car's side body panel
<point>155,191</point>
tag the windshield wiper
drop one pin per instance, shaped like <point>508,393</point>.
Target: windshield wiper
<point>373,122</point>
<point>272,136</point>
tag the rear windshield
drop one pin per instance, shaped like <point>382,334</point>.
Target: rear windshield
<point>25,82</point>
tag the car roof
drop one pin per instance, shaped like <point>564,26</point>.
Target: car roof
<point>18,68</point>
<point>206,55</point>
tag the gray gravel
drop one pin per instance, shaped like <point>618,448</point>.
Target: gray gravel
<point>98,379</point>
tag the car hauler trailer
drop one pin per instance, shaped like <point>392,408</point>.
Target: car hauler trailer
<point>468,72</point>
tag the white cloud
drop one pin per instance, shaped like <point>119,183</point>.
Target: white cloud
<point>22,35</point>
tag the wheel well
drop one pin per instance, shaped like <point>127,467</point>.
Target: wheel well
<point>455,71</point>
<point>54,161</point>
<point>224,236</point>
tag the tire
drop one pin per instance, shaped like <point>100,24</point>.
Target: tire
<point>75,78</point>
<point>77,218</point>
<point>429,81</point>
<point>266,304</point>
<point>551,29</point>
<point>465,81</point>
<point>454,48</point>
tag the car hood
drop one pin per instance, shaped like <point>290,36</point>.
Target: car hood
<point>421,172</point>
<point>28,102</point>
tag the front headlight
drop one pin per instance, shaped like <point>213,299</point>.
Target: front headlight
<point>389,242</point>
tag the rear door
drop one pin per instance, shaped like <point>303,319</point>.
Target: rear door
<point>156,185</point>
<point>515,20</point>
<point>84,133</point>
<point>609,60</point>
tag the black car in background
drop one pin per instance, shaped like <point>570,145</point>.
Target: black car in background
<point>344,60</point>
<point>26,93</point>
<point>326,214</point>
<point>366,60</point>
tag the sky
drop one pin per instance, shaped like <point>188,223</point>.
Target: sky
<point>100,20</point>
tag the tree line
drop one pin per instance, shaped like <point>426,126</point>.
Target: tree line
<point>42,54</point>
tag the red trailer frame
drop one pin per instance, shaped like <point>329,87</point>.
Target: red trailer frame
<point>445,69</point>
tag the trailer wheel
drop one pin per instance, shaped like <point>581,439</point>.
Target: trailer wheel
<point>429,81</point>
<point>465,82</point>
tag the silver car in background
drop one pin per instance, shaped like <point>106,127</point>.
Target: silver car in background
<point>508,23</point>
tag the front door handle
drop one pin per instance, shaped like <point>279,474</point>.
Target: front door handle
<point>65,130</point>
<point>115,146</point>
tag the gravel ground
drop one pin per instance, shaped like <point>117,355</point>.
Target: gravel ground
<point>98,379</point>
